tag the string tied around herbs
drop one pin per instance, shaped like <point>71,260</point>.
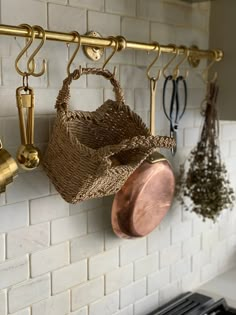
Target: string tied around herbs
<point>205,182</point>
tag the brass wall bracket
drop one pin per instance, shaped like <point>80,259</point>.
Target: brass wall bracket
<point>93,53</point>
<point>194,60</point>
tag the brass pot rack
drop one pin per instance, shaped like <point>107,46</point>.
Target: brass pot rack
<point>195,54</point>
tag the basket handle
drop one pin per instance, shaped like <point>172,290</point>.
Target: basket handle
<point>63,98</point>
<point>139,142</point>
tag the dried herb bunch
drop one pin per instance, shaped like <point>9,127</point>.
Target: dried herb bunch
<point>206,181</point>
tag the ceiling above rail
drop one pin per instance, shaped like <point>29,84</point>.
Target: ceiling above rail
<point>195,54</point>
<point>196,1</point>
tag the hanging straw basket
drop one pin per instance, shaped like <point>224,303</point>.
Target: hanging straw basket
<point>92,154</point>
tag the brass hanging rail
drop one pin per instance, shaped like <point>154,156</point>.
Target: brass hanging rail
<point>108,42</point>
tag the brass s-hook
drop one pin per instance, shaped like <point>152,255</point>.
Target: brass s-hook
<point>31,62</point>
<point>113,53</point>
<point>206,70</point>
<point>76,34</point>
<point>24,50</point>
<point>176,53</point>
<point>176,69</point>
<point>158,47</point>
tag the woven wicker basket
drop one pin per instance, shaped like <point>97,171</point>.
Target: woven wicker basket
<point>91,154</point>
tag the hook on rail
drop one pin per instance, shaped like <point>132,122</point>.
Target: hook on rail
<point>31,61</point>
<point>176,69</point>
<point>158,47</point>
<point>205,73</point>
<point>112,54</point>
<point>176,53</point>
<point>24,50</point>
<point>77,35</point>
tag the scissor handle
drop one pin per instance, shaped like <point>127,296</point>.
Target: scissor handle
<point>174,114</point>
<point>180,115</point>
<point>168,79</point>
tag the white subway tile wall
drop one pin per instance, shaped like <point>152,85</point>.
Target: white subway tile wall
<point>133,292</point>
<point>44,261</point>
<point>29,292</point>
<point>119,278</point>
<point>126,311</point>
<point>109,304</point>
<point>3,302</point>
<point>147,304</point>
<point>14,271</point>
<point>28,239</point>
<point>87,293</point>
<point>102,263</point>
<point>58,304</point>
<point>157,280</point>
<point>82,311</point>
<point>61,259</point>
<point>2,247</point>
<point>69,276</point>
<point>23,312</point>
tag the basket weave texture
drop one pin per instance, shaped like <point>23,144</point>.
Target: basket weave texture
<point>92,154</point>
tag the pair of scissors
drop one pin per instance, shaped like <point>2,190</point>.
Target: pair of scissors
<point>177,107</point>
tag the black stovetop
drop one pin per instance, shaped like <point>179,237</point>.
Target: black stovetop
<point>195,304</point>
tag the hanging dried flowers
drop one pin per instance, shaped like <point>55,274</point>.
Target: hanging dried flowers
<point>206,181</point>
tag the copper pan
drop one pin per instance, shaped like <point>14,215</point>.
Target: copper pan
<point>147,195</point>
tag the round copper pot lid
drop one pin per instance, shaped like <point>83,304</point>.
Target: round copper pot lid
<point>143,201</point>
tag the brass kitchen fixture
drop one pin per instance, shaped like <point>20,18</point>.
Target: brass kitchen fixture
<point>148,71</point>
<point>31,58</point>
<point>93,53</point>
<point>195,54</point>
<point>24,50</point>
<point>31,61</point>
<point>8,168</point>
<point>153,83</point>
<point>176,69</point>
<point>172,59</point>
<point>205,73</point>
<point>28,156</point>
<point>115,49</point>
<point>77,35</point>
